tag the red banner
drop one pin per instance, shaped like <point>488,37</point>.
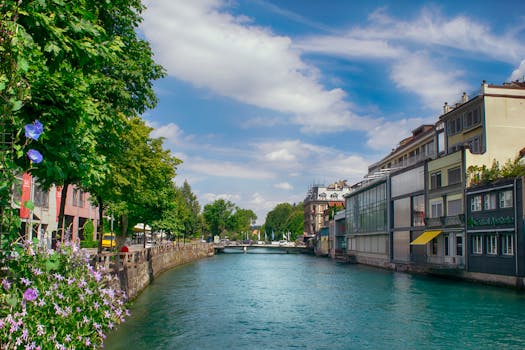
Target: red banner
<point>26,195</point>
<point>58,198</point>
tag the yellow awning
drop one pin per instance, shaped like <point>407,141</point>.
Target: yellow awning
<point>425,237</point>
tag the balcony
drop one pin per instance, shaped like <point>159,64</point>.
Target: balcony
<point>445,221</point>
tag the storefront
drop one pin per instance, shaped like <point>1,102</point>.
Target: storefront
<point>495,228</point>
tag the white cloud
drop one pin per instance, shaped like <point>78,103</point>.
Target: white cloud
<point>171,132</point>
<point>280,155</point>
<point>387,135</point>
<point>211,197</point>
<point>226,169</point>
<point>233,58</point>
<point>283,186</point>
<point>419,74</point>
<point>314,160</point>
<point>434,30</point>
<point>349,47</point>
<point>518,73</point>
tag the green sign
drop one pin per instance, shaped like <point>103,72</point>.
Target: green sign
<point>491,221</point>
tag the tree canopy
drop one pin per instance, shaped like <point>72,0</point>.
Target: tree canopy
<point>284,218</point>
<point>223,216</point>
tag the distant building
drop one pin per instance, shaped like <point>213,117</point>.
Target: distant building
<point>317,200</point>
<point>42,221</point>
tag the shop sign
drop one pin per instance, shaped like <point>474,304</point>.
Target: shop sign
<point>491,221</point>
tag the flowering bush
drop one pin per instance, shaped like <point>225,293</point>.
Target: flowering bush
<point>56,300</point>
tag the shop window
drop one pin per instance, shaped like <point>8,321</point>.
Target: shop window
<point>459,245</point>
<point>477,244</point>
<point>507,244</point>
<point>475,203</point>
<point>492,245</point>
<point>434,246</point>
<point>505,199</point>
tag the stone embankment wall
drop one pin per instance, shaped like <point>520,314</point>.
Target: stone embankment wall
<point>137,269</point>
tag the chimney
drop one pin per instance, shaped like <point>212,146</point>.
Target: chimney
<point>446,108</point>
<point>464,97</point>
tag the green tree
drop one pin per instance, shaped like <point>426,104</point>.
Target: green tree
<point>192,208</point>
<point>277,218</point>
<point>241,220</point>
<point>217,214</point>
<point>295,222</point>
<point>88,70</point>
<point>284,218</point>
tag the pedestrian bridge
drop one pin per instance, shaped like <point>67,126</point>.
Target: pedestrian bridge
<point>232,247</point>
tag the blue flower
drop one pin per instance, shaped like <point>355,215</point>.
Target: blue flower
<point>33,131</point>
<point>34,156</point>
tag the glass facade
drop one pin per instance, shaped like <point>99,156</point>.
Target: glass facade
<point>366,211</point>
<point>402,212</point>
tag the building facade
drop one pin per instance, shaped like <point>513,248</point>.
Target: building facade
<point>495,232</point>
<point>317,201</point>
<point>41,222</point>
<point>367,222</point>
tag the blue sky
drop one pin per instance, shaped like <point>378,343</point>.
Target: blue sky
<point>264,98</point>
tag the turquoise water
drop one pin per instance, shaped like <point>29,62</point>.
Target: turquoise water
<point>289,301</point>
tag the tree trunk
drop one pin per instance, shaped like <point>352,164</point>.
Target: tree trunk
<point>100,229</point>
<point>61,213</point>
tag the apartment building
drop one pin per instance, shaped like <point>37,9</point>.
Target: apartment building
<point>317,201</point>
<point>42,221</point>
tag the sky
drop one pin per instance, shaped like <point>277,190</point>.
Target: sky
<point>265,98</point>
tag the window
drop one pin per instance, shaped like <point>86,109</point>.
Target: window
<point>489,201</point>
<point>492,245</point>
<point>78,198</point>
<point>507,244</point>
<point>454,176</point>
<point>418,211</point>
<point>446,242</point>
<point>435,180</point>
<point>471,118</point>
<point>437,209</point>
<point>434,246</point>
<point>40,197</point>
<point>477,244</point>
<point>475,203</point>
<point>459,245</point>
<point>322,195</point>
<point>454,207</point>
<point>428,150</point>
<point>454,126</point>
<point>505,199</point>
<point>333,196</point>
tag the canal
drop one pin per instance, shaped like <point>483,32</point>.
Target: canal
<point>293,301</point>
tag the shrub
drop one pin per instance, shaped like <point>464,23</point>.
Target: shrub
<point>88,244</point>
<point>56,300</point>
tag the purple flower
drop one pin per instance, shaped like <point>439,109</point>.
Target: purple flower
<point>35,156</point>
<point>33,131</point>
<point>6,284</point>
<point>30,294</point>
<point>25,281</point>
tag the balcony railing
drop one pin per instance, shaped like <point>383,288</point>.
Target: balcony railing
<point>445,221</point>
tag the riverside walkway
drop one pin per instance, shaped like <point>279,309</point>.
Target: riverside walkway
<point>137,268</point>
